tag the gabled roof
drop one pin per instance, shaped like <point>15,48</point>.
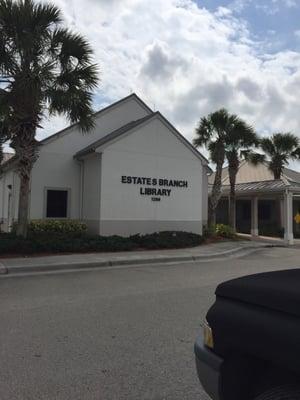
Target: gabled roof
<point>122,130</point>
<point>134,124</point>
<point>111,136</point>
<point>249,173</point>
<point>102,111</point>
<point>11,161</point>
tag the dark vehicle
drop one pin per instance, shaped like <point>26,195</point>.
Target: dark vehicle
<point>250,347</point>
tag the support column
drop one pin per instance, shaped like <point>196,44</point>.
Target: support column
<point>254,216</point>
<point>288,219</point>
<point>282,212</point>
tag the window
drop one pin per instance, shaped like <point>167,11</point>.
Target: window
<point>57,203</point>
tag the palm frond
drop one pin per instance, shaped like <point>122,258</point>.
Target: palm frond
<point>203,132</point>
<point>295,155</point>
<point>70,46</point>
<point>267,146</point>
<point>285,142</point>
<point>255,158</point>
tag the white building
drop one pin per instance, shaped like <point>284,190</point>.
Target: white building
<point>134,173</point>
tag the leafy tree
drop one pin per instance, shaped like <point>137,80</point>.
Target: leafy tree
<point>278,149</point>
<point>44,68</point>
<point>213,132</point>
<point>225,136</point>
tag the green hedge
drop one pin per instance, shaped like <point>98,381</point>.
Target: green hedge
<point>53,242</point>
<point>57,226</point>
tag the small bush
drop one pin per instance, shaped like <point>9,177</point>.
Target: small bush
<point>219,230</point>
<point>56,226</point>
<point>225,231</point>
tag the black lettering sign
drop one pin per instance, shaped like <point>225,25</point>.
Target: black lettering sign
<point>147,184</point>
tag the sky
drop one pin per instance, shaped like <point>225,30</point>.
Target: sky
<point>189,58</point>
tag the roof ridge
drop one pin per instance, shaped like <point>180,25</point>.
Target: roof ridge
<point>266,181</point>
<point>132,95</point>
<point>125,128</point>
<point>114,134</point>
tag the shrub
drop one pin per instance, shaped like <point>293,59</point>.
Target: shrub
<point>225,231</point>
<point>167,240</point>
<point>64,242</point>
<point>56,226</point>
<point>219,230</point>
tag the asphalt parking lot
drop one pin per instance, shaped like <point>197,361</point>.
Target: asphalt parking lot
<point>113,334</point>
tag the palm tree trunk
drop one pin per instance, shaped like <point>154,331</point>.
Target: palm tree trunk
<point>277,174</point>
<point>26,149</point>
<point>23,205</point>
<point>216,193</point>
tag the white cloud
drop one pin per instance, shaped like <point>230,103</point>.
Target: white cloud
<point>290,3</point>
<point>187,61</point>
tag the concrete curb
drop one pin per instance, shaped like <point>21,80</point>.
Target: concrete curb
<point>21,269</point>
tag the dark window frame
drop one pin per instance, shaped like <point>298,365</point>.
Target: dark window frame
<point>63,189</point>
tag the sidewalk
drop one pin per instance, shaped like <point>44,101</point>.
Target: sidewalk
<point>97,260</point>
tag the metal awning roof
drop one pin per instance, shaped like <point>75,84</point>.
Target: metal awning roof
<point>266,187</point>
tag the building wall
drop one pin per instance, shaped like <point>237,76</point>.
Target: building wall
<point>151,151</point>
<point>91,192</point>
<point>97,194</point>
<point>9,198</point>
<point>204,196</point>
<point>56,167</point>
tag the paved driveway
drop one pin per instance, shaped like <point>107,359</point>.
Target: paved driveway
<point>112,334</point>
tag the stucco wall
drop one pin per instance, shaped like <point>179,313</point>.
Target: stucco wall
<point>91,192</point>
<point>204,196</point>
<point>151,151</point>
<point>9,199</point>
<point>97,193</point>
<point>56,167</point>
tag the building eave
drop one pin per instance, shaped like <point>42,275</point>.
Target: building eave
<point>102,111</point>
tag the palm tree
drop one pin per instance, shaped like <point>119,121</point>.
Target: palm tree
<point>214,132</point>
<point>239,141</point>
<point>44,68</point>
<point>278,149</point>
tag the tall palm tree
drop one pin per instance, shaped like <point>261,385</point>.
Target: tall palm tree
<point>278,149</point>
<point>214,132</point>
<point>239,142</point>
<point>44,68</point>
